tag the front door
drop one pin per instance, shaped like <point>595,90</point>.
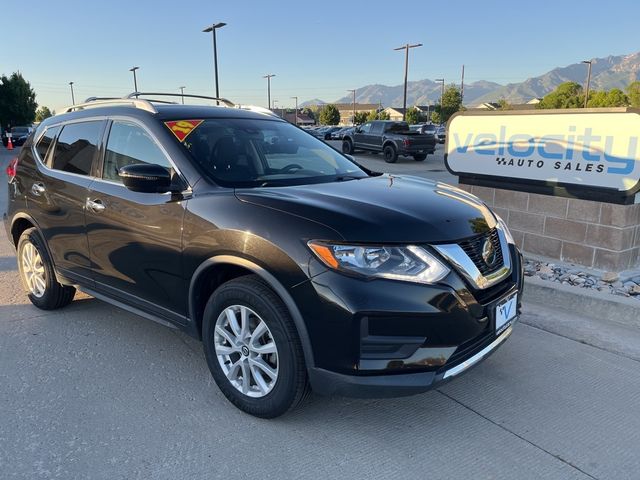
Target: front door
<point>135,239</point>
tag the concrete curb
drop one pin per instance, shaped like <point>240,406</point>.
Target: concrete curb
<point>581,301</point>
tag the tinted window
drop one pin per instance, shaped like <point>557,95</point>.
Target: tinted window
<point>76,147</point>
<point>377,128</point>
<point>397,127</point>
<point>45,142</point>
<point>366,128</point>
<point>253,153</point>
<point>130,144</point>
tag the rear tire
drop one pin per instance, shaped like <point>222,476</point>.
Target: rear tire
<point>390,154</point>
<point>347,147</point>
<point>244,354</point>
<point>37,273</point>
<point>420,158</point>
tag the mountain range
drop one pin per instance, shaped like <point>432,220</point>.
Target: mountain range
<point>606,73</point>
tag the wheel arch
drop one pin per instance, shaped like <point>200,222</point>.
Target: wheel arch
<point>218,269</point>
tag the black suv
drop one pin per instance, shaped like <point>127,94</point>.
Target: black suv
<point>297,267</point>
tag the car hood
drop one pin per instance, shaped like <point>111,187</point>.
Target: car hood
<point>388,208</point>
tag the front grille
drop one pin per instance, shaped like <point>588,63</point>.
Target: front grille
<point>473,248</point>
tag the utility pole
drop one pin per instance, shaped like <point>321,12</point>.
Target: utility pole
<point>213,29</point>
<point>182,93</point>
<point>73,99</point>
<point>268,77</point>
<point>440,80</point>
<point>296,117</point>
<point>462,86</point>
<point>406,72</point>
<point>135,80</point>
<point>586,97</point>
<point>354,106</point>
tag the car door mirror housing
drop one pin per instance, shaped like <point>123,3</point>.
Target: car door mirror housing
<point>146,178</point>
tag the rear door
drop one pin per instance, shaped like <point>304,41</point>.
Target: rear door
<point>135,238</point>
<point>376,135</point>
<point>57,193</point>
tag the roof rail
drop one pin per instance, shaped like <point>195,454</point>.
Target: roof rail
<point>257,109</point>
<point>228,103</point>
<point>100,102</point>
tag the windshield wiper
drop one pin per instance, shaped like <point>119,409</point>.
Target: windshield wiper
<point>344,178</point>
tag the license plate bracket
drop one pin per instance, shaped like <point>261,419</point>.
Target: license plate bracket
<point>506,311</point>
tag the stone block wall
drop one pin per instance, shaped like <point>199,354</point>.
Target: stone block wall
<point>594,234</point>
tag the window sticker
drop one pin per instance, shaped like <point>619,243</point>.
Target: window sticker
<point>182,128</point>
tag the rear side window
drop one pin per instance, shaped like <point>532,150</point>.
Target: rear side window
<point>45,142</point>
<point>130,144</point>
<point>76,147</point>
<point>377,128</point>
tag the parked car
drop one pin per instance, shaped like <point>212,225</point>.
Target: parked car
<point>18,136</point>
<point>391,138</point>
<point>424,128</point>
<point>296,267</point>
<point>441,134</point>
<point>329,131</point>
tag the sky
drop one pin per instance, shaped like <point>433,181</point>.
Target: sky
<point>316,49</point>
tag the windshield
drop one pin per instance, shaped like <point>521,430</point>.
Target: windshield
<point>255,153</point>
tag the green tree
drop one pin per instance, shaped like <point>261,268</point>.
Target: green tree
<point>435,116</point>
<point>329,115</point>
<point>504,105</point>
<point>17,100</point>
<point>412,115</point>
<point>361,117</point>
<point>633,92</point>
<point>382,115</point>
<point>616,98</point>
<point>373,115</point>
<point>451,103</point>
<point>567,95</point>
<point>309,112</point>
<point>42,113</point>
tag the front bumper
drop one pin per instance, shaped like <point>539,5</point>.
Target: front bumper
<point>383,338</point>
<point>379,386</point>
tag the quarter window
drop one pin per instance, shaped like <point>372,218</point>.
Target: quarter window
<point>76,147</point>
<point>130,144</point>
<point>45,142</point>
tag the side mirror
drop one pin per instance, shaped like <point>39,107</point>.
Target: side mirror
<point>146,178</point>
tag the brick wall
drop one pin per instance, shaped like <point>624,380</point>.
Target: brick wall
<point>594,234</point>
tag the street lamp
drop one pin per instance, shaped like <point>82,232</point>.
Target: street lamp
<point>268,77</point>
<point>73,100</point>
<point>406,71</point>
<point>296,117</point>
<point>441,81</point>
<point>182,93</point>
<point>354,106</point>
<point>586,97</point>
<point>213,29</point>
<point>135,80</point>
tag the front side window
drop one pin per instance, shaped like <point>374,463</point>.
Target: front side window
<point>252,153</point>
<point>76,147</point>
<point>130,144</point>
<point>45,142</point>
<point>366,128</point>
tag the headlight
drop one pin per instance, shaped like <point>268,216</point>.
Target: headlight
<point>410,263</point>
<point>503,226</point>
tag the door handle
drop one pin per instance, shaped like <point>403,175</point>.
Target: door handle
<point>96,206</point>
<point>38,189</point>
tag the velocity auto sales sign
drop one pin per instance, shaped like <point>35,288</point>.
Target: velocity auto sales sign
<point>591,149</point>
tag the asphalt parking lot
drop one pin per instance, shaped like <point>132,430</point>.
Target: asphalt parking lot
<point>94,392</point>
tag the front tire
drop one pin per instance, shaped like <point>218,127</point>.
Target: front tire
<point>253,349</point>
<point>37,273</point>
<point>390,154</point>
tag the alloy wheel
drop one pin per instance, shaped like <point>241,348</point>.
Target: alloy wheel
<point>246,351</point>
<point>33,271</point>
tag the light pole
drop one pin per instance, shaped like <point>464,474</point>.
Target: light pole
<point>73,99</point>
<point>441,81</point>
<point>354,106</point>
<point>406,72</point>
<point>213,29</point>
<point>268,77</point>
<point>586,97</point>
<point>462,87</point>
<point>182,93</point>
<point>135,80</point>
<point>296,117</point>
